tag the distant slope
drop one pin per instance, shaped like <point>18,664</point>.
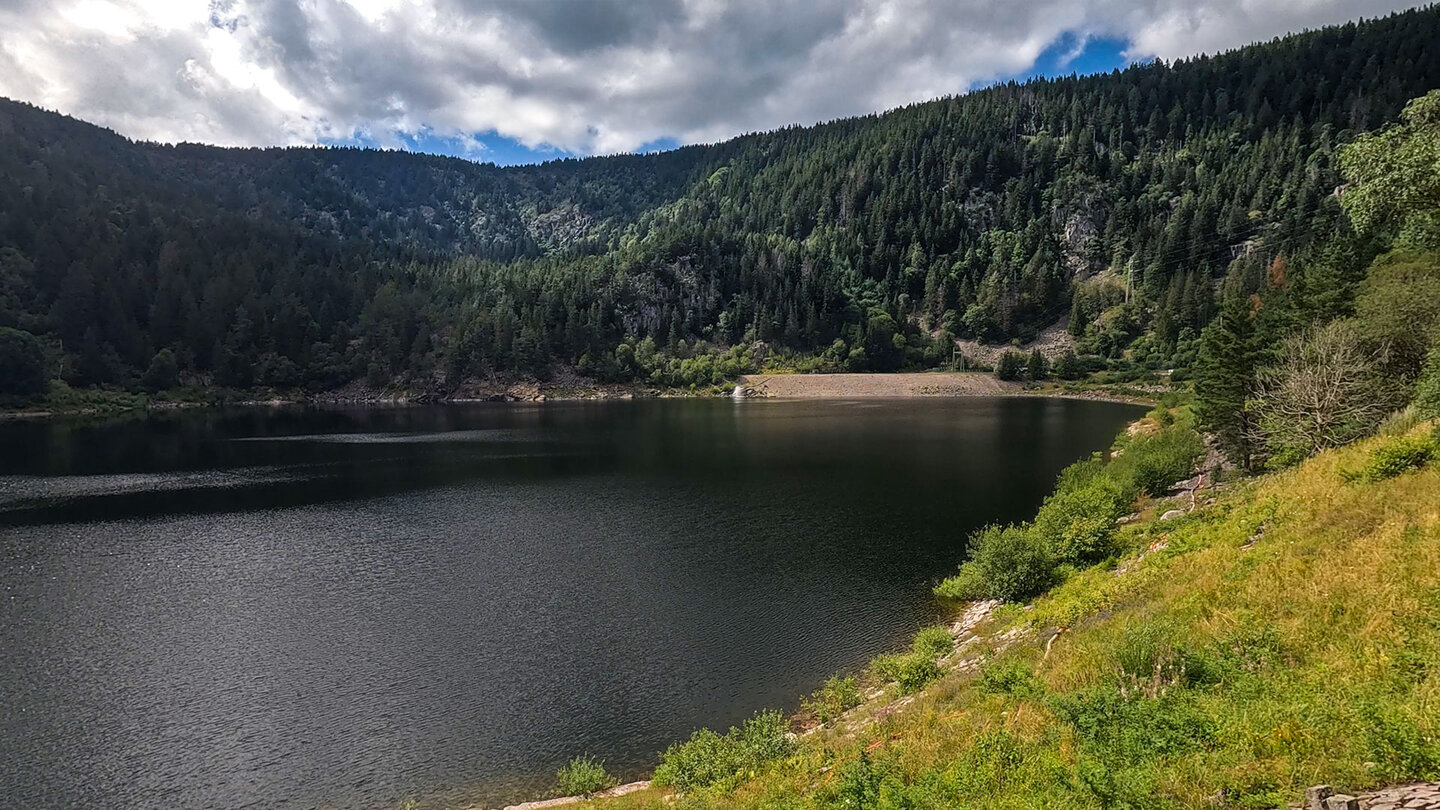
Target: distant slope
<point>865,238</point>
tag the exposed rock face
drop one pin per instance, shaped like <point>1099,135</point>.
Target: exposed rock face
<point>559,227</point>
<point>1053,342</point>
<point>1079,218</point>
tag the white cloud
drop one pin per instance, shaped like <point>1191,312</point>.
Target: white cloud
<point>583,75</point>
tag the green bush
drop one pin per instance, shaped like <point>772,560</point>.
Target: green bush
<point>933,641</point>
<point>710,760</point>
<point>835,697</point>
<point>1427,390</point>
<point>1152,463</point>
<point>1081,473</point>
<point>1010,677</point>
<point>1007,563</point>
<point>915,669</point>
<point>912,671</point>
<point>1397,742</point>
<point>163,372</point>
<point>583,776</point>
<point>1010,366</point>
<point>1395,457</point>
<point>1078,522</point>
<point>1128,727</point>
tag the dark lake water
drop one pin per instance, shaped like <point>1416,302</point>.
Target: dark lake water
<point>296,608</point>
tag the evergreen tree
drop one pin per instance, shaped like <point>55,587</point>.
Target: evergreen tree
<point>1225,379</point>
<point>1010,366</point>
<point>22,366</point>
<point>163,372</point>
<point>1035,368</point>
<point>1067,366</point>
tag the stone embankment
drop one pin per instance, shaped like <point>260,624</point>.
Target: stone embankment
<point>1416,796</point>
<point>875,386</point>
<point>543,804</point>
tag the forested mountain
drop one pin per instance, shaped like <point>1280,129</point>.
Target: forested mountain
<point>1119,200</point>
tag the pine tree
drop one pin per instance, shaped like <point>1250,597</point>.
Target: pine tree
<point>1035,368</point>
<point>1076,327</point>
<point>1225,379</point>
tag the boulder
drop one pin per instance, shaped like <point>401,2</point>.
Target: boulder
<point>1315,796</point>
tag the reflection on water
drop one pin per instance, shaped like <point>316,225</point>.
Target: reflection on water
<point>287,608</point>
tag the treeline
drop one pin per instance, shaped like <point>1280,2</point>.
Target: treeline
<point>1309,353</point>
<point>1118,201</point>
<point>1315,350</point>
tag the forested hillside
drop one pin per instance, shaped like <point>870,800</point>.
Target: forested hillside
<point>1120,201</point>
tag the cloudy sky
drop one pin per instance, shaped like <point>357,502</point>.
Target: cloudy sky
<point>517,80</point>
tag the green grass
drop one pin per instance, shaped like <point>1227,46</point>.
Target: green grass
<point>1394,456</point>
<point>1285,636</point>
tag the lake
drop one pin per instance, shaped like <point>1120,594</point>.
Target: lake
<point>316,608</point>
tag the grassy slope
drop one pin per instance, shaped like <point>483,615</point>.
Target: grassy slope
<point>1312,655</point>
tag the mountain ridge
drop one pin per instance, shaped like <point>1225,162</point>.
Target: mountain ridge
<point>864,243</point>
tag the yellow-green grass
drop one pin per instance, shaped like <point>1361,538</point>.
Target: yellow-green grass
<point>1285,636</point>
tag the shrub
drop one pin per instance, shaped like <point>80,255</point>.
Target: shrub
<point>1397,742</point>
<point>1324,390</point>
<point>1012,678</point>
<point>1130,727</point>
<point>1427,390</point>
<point>912,671</point>
<point>710,760</point>
<point>933,641</point>
<point>163,372</point>
<point>859,784</point>
<point>1010,366</point>
<point>1067,367</point>
<point>1394,457</point>
<point>835,697</point>
<point>1080,473</point>
<point>583,776</point>
<point>1153,463</point>
<point>1078,522</point>
<point>1007,563</point>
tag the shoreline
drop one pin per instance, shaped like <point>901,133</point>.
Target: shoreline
<point>969,624</point>
<point>772,385</point>
<point>776,386</point>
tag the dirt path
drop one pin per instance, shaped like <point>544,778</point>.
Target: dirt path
<point>851,386</point>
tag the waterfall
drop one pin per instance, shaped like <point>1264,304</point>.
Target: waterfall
<point>738,393</point>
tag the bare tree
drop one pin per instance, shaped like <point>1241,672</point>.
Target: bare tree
<point>1324,391</point>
